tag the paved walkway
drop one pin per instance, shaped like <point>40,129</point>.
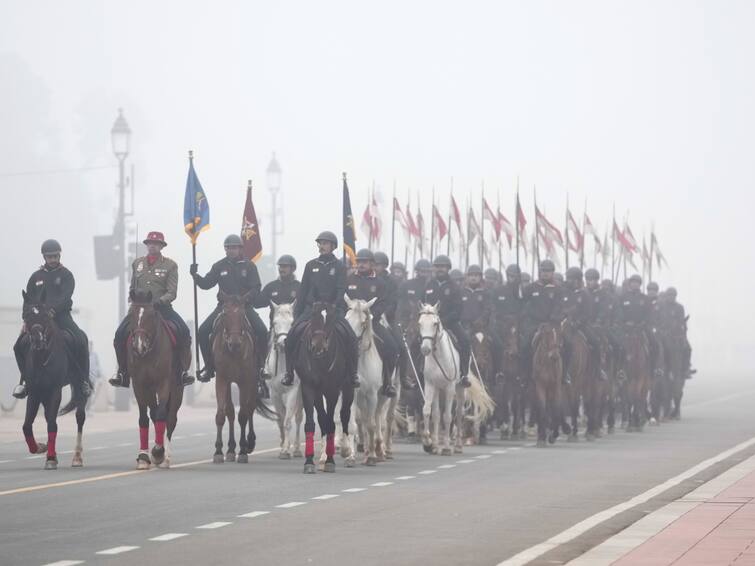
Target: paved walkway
<point>713,525</point>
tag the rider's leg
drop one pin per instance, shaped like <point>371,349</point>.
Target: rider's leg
<point>389,353</point>
<point>462,341</point>
<point>20,349</point>
<point>497,342</point>
<point>260,338</point>
<point>80,350</point>
<point>203,337</point>
<point>183,343</point>
<point>121,378</point>
<point>292,342</point>
<point>687,359</point>
<point>352,351</point>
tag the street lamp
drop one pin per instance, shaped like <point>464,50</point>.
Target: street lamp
<point>274,186</point>
<point>120,135</point>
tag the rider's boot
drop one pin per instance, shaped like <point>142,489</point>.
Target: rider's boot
<point>19,391</point>
<point>121,378</point>
<point>388,390</point>
<point>207,372</point>
<point>262,390</point>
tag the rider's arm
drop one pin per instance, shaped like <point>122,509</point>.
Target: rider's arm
<point>302,299</point>
<point>253,282</point>
<point>262,299</point>
<point>209,280</point>
<point>340,287</point>
<point>67,285</point>
<point>171,285</point>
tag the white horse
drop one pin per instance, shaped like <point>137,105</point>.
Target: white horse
<point>370,404</point>
<point>441,379</point>
<point>287,400</point>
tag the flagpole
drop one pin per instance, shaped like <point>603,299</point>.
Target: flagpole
<point>500,229</point>
<point>566,248</point>
<point>482,225</point>
<point>613,247</point>
<point>518,228</point>
<point>469,223</point>
<point>584,237</point>
<point>432,225</point>
<point>537,226</point>
<point>393,222</point>
<point>448,244</point>
<point>652,245</point>
<point>196,303</point>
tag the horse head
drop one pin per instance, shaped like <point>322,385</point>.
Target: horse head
<point>234,320</point>
<point>39,323</point>
<point>429,327</point>
<point>511,342</point>
<point>283,319</point>
<point>548,337</point>
<point>358,316</point>
<point>143,321</point>
<point>321,327</point>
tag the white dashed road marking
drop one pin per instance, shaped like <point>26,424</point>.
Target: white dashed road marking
<point>446,466</point>
<point>65,563</point>
<point>382,484</point>
<point>483,456</point>
<point>326,496</point>
<point>215,525</point>
<point>406,478</point>
<point>354,489</point>
<point>169,536</point>
<point>291,504</point>
<point>116,550</point>
<point>253,514</point>
<point>464,461</point>
<point>500,451</point>
<point>427,472</point>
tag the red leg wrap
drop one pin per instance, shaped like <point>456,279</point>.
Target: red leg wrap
<point>330,444</point>
<point>32,444</point>
<point>51,438</point>
<point>159,432</point>
<point>309,444</point>
<point>144,438</point>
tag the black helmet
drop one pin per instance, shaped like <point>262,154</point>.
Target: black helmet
<point>381,259</point>
<point>513,270</point>
<point>398,265</point>
<point>233,240</point>
<point>365,255</point>
<point>573,273</point>
<point>456,275</point>
<point>442,261</point>
<point>592,274</point>
<point>327,236</point>
<point>491,274</point>
<point>51,247</point>
<point>652,286</point>
<point>526,277</point>
<point>289,260</point>
<point>671,292</point>
<point>547,265</point>
<point>472,269</point>
<point>422,264</point>
<point>635,279</point>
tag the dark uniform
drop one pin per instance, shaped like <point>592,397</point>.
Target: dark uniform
<point>447,295</point>
<point>233,277</point>
<point>281,292</point>
<point>477,315</point>
<point>543,303</point>
<point>673,317</point>
<point>53,287</point>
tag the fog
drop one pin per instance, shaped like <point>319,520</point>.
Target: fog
<point>648,105</point>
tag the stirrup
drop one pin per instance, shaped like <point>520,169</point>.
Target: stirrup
<point>206,374</point>
<point>288,379</point>
<point>262,389</point>
<point>388,391</point>
<point>354,382</point>
<point>19,391</point>
<point>186,379</point>
<point>120,380</point>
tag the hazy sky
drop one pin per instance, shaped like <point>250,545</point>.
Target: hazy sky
<point>648,105</point>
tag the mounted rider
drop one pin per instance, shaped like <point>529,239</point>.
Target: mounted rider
<point>282,291</point>
<point>159,275</point>
<point>366,285</point>
<point>324,280</point>
<point>446,295</point>
<point>507,302</point>
<point>632,313</point>
<point>654,324</point>
<point>398,273</point>
<point>492,278</point>
<point>543,304</point>
<point>477,312</point>
<point>579,308</point>
<point>234,275</point>
<point>52,285</point>
<point>409,294</point>
<point>673,316</point>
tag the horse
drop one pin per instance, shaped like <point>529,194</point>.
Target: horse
<point>511,390</point>
<point>660,387</point>
<point>47,370</point>
<point>579,354</point>
<point>441,377</point>
<point>411,401</point>
<point>152,364</point>
<point>547,373</point>
<point>597,385</point>
<point>673,346</point>
<point>476,416</point>
<point>234,353</point>
<point>320,361</point>
<point>636,366</point>
<point>370,405</point>
<point>286,400</point>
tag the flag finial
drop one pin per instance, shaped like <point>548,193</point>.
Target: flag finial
<point>249,184</point>
<point>191,154</point>
<point>344,175</point>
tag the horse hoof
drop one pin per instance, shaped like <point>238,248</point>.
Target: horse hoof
<point>589,437</point>
<point>458,450</point>
<point>541,443</point>
<point>611,430</point>
<point>436,450</point>
<point>218,459</point>
<point>283,456</point>
<point>370,461</point>
<point>428,448</point>
<point>41,448</point>
<point>653,421</point>
<point>522,435</point>
<point>164,465</point>
<point>552,439</point>
<point>446,452</point>
<point>142,461</point>
<point>388,455</point>
<point>572,438</point>
<point>230,457</point>
<point>350,462</point>
<point>51,464</point>
<point>504,435</point>
<point>243,459</point>
<point>298,453</point>
<point>158,454</point>
<point>77,462</point>
<point>360,447</point>
<point>329,467</point>
<point>309,468</point>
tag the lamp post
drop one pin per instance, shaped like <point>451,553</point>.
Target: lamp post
<point>121,137</point>
<point>274,186</point>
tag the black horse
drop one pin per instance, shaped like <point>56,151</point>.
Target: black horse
<point>48,368</point>
<point>320,362</point>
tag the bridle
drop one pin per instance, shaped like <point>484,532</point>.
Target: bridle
<point>142,334</point>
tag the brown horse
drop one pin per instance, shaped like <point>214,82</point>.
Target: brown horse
<point>153,368</point>
<point>482,362</point>
<point>597,390</point>
<point>673,346</point>
<point>511,391</point>
<point>660,382</point>
<point>547,373</point>
<point>578,358</point>
<point>636,367</point>
<point>410,400</point>
<point>233,350</point>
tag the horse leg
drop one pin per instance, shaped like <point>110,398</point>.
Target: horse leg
<point>221,398</point>
<point>230,414</point>
<point>542,414</point>
<point>299,412</point>
<point>161,417</point>
<point>389,420</point>
<point>51,405</point>
<point>347,440</point>
<point>245,419</point>
<point>78,460</point>
<point>430,394</point>
<point>142,459</point>
<point>308,399</point>
<point>330,433</point>
<point>280,402</point>
<point>32,408</point>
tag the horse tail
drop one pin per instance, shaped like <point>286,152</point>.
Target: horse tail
<point>78,400</point>
<point>479,396</point>
<point>264,410</point>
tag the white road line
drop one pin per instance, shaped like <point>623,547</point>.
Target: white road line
<point>446,466</point>
<point>354,490</point>
<point>585,525</point>
<point>122,444</point>
<point>402,478</point>
<point>500,451</point>
<point>326,496</point>
<point>484,456</point>
<point>427,472</point>
<point>6,461</point>
<point>34,457</point>
<point>291,504</point>
<point>116,550</point>
<point>199,434</point>
<point>178,437</point>
<point>382,484</point>
<point>465,461</point>
<point>253,514</point>
<point>64,563</point>
<point>215,525</point>
<point>169,536</point>
<point>97,448</point>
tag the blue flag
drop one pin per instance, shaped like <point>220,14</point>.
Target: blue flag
<point>196,207</point>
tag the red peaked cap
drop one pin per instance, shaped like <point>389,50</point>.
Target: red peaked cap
<point>156,237</point>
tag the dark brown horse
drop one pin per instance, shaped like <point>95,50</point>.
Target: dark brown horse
<point>547,373</point>
<point>673,346</point>
<point>660,382</point>
<point>636,366</point>
<point>233,350</point>
<point>47,370</point>
<point>597,390</point>
<point>578,358</point>
<point>411,400</point>
<point>511,391</point>
<point>153,368</point>
<point>320,362</point>
<point>483,350</point>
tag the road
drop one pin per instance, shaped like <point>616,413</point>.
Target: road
<point>483,507</point>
